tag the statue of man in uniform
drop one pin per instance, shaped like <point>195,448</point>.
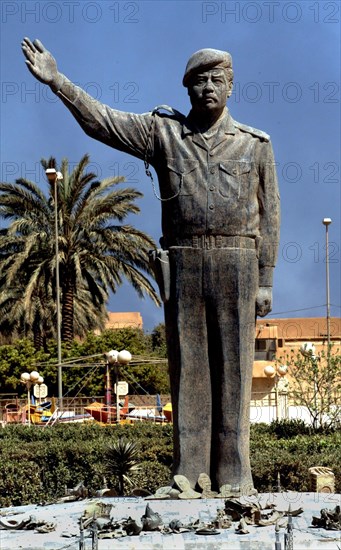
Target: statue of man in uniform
<point>220,233</point>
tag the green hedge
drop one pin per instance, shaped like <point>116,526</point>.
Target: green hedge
<point>37,464</point>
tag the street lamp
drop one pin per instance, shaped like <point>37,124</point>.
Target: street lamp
<point>278,374</point>
<point>29,379</point>
<point>115,358</point>
<point>326,222</point>
<point>308,350</point>
<point>53,176</point>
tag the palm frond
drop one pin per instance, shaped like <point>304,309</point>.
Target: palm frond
<point>96,251</point>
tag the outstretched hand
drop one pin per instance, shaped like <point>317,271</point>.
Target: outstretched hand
<point>39,61</point>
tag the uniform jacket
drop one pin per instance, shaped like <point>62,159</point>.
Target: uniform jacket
<point>223,186</point>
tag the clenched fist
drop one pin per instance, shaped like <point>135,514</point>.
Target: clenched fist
<point>264,301</point>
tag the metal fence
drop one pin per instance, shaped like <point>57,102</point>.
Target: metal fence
<point>283,405</point>
<point>263,408</point>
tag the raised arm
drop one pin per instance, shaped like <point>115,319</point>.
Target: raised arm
<point>124,131</point>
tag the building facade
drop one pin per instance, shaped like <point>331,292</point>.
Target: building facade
<point>275,341</point>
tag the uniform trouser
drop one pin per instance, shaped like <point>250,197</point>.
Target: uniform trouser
<point>210,326</point>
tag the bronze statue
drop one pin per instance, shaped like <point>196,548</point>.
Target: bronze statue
<point>220,226</point>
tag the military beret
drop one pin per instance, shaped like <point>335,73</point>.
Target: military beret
<point>206,59</point>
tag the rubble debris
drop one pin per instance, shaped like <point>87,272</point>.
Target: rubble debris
<point>139,492</point>
<point>185,487</point>
<point>106,493</point>
<point>117,534</point>
<point>190,494</point>
<point>222,520</point>
<point>47,527</point>
<point>79,491</point>
<point>182,489</point>
<point>11,524</point>
<point>226,491</point>
<point>242,528</point>
<point>207,531</point>
<point>102,523</point>
<point>97,508</point>
<point>151,520</point>
<point>293,513</point>
<point>132,526</point>
<point>68,534</point>
<point>27,524</point>
<point>330,519</point>
<point>237,509</point>
<point>176,525</point>
<point>242,510</point>
<point>272,519</point>
<point>167,492</point>
<point>205,484</point>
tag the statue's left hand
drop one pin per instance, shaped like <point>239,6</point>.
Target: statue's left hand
<point>264,301</point>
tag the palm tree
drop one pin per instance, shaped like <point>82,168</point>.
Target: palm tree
<point>95,254</point>
<point>17,320</point>
<point>121,460</point>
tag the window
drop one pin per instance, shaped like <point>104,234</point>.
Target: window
<point>265,349</point>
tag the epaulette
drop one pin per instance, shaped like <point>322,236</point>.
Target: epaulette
<point>253,131</point>
<point>176,114</point>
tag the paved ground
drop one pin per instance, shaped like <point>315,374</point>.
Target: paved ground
<point>66,516</point>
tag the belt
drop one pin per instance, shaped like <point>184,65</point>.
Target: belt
<point>214,241</point>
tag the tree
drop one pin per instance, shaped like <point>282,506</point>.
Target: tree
<point>316,384</point>
<point>20,318</point>
<point>86,377</point>
<point>95,254</point>
<point>121,460</point>
<point>16,359</point>
<point>158,338</point>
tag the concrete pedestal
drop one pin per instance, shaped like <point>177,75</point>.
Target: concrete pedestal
<point>66,517</point>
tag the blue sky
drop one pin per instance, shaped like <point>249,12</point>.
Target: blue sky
<point>132,55</point>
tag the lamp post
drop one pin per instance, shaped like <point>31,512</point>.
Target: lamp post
<point>111,359</point>
<point>53,176</point>
<point>29,379</point>
<point>326,222</point>
<point>277,373</point>
<point>115,358</point>
<point>308,350</point>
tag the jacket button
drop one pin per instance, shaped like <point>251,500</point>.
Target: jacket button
<point>212,170</point>
<point>211,207</point>
<point>234,171</point>
<point>212,188</point>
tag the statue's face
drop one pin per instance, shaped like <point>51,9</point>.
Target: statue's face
<point>209,91</point>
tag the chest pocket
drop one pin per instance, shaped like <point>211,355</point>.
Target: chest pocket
<point>182,174</point>
<point>234,178</point>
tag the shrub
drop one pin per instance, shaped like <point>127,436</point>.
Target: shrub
<point>291,459</point>
<point>20,482</point>
<point>68,454</point>
<point>152,475</point>
<point>289,428</point>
